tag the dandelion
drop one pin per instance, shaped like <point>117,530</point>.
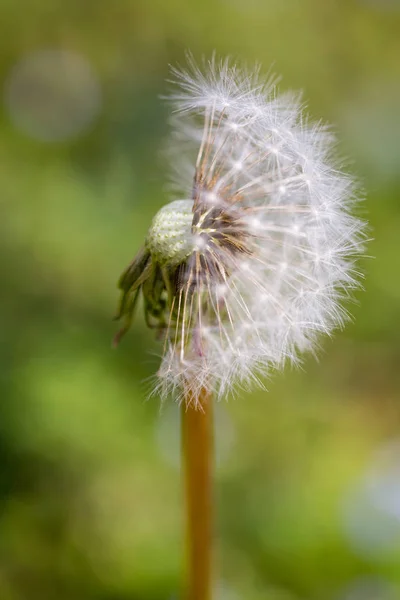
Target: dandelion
<point>250,263</point>
<point>246,270</point>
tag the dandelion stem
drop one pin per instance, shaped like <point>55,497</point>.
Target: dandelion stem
<point>197,444</point>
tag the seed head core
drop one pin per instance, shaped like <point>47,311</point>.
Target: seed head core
<point>169,239</point>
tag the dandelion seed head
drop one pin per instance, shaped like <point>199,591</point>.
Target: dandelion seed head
<point>258,258</point>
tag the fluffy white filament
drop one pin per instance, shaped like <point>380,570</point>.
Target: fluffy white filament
<point>286,244</point>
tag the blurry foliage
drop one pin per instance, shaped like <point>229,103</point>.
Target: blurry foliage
<point>90,502</point>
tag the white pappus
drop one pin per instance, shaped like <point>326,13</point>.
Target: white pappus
<point>246,269</point>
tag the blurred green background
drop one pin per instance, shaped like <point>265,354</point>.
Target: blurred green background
<point>308,475</point>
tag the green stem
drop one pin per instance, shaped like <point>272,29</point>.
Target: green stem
<point>197,450</point>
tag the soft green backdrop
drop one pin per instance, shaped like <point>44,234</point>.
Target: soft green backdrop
<point>308,482</point>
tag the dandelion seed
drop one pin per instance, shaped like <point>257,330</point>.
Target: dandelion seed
<point>247,270</point>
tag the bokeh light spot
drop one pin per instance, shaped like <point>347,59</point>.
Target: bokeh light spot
<point>372,508</point>
<point>369,588</point>
<point>52,95</point>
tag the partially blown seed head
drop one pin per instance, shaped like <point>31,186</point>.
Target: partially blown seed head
<point>251,265</point>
